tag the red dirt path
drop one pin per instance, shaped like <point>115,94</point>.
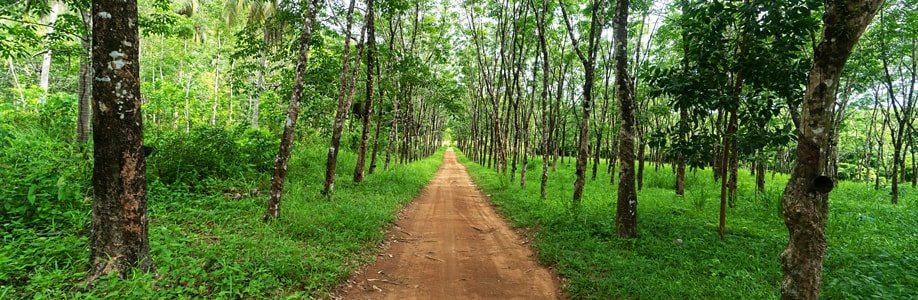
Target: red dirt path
<point>451,244</point>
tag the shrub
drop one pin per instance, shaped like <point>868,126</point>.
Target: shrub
<point>206,152</point>
<point>44,178</point>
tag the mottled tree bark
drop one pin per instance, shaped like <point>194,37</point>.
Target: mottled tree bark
<point>84,87</point>
<point>680,159</point>
<point>805,203</point>
<point>393,133</point>
<point>546,111</point>
<point>601,120</point>
<point>373,155</point>
<point>526,138</point>
<point>344,104</point>
<point>729,151</point>
<point>588,60</point>
<point>118,241</point>
<point>642,149</point>
<point>368,103</point>
<point>760,168</point>
<point>626,210</point>
<point>293,112</point>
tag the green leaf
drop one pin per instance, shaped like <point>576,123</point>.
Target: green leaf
<point>31,195</point>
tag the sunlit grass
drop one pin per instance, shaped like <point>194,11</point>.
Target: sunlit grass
<point>208,245</point>
<point>678,254</point>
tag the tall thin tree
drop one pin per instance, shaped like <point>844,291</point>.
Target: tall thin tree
<point>626,210</point>
<point>345,93</point>
<point>589,65</point>
<point>45,73</point>
<point>293,112</point>
<point>543,96</point>
<point>368,104</point>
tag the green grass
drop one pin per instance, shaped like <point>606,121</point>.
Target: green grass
<point>207,244</point>
<point>871,251</point>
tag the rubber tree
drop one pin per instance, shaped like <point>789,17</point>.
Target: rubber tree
<point>118,242</point>
<point>293,112</point>
<point>805,202</point>
<point>588,60</point>
<point>368,103</point>
<point>345,97</point>
<point>543,96</point>
<point>626,208</point>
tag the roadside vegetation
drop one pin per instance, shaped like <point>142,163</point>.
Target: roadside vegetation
<point>678,254</point>
<point>207,193</point>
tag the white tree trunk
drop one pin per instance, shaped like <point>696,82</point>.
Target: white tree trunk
<point>259,86</point>
<point>16,81</point>
<point>216,104</point>
<point>46,58</point>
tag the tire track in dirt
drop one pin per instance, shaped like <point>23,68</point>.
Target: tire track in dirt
<point>451,244</point>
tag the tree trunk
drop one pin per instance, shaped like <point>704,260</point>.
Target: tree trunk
<point>626,212</point>
<point>903,109</point>
<point>375,140</point>
<point>729,159</point>
<point>734,175</point>
<point>601,121</point>
<point>896,166</point>
<point>393,133</point>
<point>805,204</point>
<point>187,93</point>
<point>760,168</point>
<point>526,136</point>
<point>45,73</point>
<point>556,116</point>
<point>868,144</point>
<point>229,98</point>
<point>914,161</point>
<point>216,104</point>
<point>583,146</point>
<point>293,112</point>
<point>344,103</point>
<point>16,85</point>
<point>84,88</point>
<point>259,87</point>
<point>546,110</point>
<point>640,157</point>
<point>680,159</point>
<point>368,103</point>
<point>118,241</point>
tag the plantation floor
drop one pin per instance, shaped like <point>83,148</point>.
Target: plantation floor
<point>451,244</point>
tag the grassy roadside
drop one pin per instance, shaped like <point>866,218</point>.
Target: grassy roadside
<point>211,243</point>
<point>678,255</point>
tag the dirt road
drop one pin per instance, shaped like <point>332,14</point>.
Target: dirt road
<point>451,244</point>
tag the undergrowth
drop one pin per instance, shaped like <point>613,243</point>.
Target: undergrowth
<point>207,194</point>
